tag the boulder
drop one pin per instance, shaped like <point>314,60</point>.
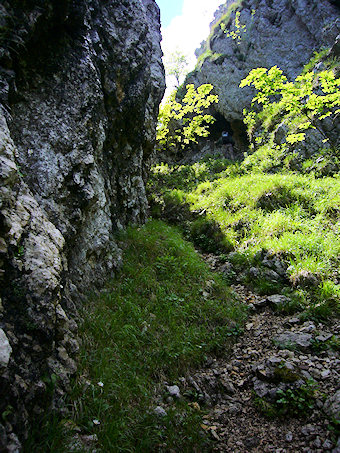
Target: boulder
<point>278,300</point>
<point>294,340</point>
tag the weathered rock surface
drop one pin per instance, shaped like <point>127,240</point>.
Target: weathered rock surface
<point>332,406</point>
<point>5,350</point>
<point>80,85</point>
<point>294,340</point>
<point>283,33</point>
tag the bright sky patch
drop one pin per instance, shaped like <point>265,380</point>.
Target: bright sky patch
<point>186,30</point>
<point>169,9</point>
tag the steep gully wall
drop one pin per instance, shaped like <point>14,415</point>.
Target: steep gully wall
<point>80,85</point>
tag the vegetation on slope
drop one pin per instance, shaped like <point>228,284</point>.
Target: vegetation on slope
<point>246,209</point>
<point>292,216</point>
<point>181,123</point>
<point>163,314</point>
<point>230,24</point>
<point>283,111</point>
<point>224,21</point>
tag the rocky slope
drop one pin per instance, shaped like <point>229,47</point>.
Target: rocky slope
<point>80,85</point>
<point>277,390</point>
<point>281,32</point>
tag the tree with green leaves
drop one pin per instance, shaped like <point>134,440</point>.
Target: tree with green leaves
<point>301,104</point>
<point>176,65</point>
<point>181,123</point>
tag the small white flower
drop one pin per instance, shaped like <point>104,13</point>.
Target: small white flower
<point>96,422</point>
<point>100,383</point>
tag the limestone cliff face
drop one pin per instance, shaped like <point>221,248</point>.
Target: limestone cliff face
<point>80,85</point>
<point>280,32</point>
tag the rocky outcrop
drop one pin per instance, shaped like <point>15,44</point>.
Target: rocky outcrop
<point>281,32</point>
<point>80,85</point>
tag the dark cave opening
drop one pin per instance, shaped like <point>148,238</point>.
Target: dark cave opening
<point>239,132</point>
<point>218,126</point>
<point>235,127</point>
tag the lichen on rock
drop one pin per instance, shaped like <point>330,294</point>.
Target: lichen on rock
<point>80,85</point>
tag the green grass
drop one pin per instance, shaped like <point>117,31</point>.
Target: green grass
<point>295,217</point>
<point>162,315</point>
<point>208,55</point>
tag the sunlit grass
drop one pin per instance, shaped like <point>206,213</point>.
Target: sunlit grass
<point>293,216</point>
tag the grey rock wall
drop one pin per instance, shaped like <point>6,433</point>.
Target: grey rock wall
<point>80,85</point>
<point>280,32</point>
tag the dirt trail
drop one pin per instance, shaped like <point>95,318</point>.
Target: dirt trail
<point>275,353</point>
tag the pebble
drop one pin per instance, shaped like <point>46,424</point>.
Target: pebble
<point>228,386</point>
<point>308,429</point>
<point>325,374</point>
<point>308,327</point>
<point>174,390</point>
<point>324,337</point>
<point>288,354</point>
<point>327,444</point>
<point>293,321</point>
<point>289,436</point>
<point>235,409</point>
<point>317,442</point>
<point>160,411</point>
<point>5,350</point>
<point>89,438</point>
<point>306,374</point>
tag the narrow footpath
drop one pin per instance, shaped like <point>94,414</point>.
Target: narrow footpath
<point>279,390</point>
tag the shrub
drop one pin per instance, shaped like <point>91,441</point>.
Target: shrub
<point>180,123</point>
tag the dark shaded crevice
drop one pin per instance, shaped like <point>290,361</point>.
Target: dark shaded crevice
<point>235,127</point>
<point>240,134</point>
